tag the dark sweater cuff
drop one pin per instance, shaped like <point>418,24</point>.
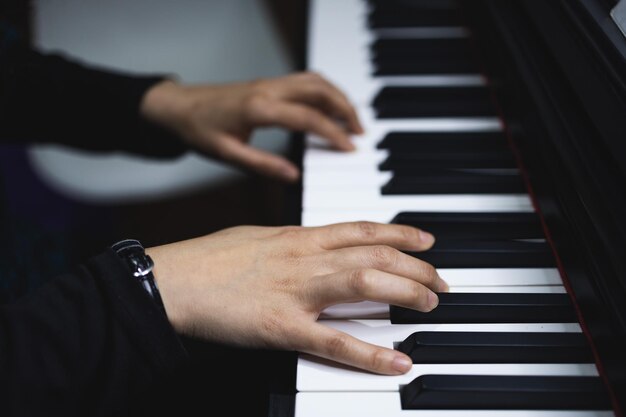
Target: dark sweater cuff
<point>52,98</point>
<point>138,312</point>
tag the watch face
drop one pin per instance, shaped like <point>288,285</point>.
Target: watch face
<point>141,263</point>
<point>133,252</point>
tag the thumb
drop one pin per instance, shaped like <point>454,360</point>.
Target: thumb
<point>258,160</point>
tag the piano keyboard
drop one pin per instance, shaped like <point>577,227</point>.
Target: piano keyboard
<point>506,340</point>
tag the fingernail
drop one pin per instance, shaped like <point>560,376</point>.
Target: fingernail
<point>401,364</point>
<point>426,237</point>
<point>443,286</point>
<point>433,300</point>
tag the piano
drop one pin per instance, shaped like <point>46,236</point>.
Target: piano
<point>500,127</point>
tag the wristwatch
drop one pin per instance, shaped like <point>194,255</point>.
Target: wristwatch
<point>132,252</point>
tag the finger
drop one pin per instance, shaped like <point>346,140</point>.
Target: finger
<point>363,233</point>
<point>300,118</point>
<point>366,284</point>
<point>329,343</point>
<point>263,162</point>
<point>386,259</point>
<point>315,90</point>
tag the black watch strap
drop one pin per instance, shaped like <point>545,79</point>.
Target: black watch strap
<point>140,264</point>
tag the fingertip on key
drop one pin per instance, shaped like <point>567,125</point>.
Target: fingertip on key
<point>402,364</point>
<point>443,286</point>
<point>426,238</point>
<point>433,300</point>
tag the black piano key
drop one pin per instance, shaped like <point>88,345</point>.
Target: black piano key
<point>416,49</point>
<point>439,66</point>
<point>393,56</point>
<point>485,226</point>
<point>491,308</point>
<point>488,254</point>
<point>417,161</point>
<point>416,142</point>
<point>505,392</point>
<point>399,13</point>
<point>496,347</point>
<point>397,102</point>
<point>449,182</point>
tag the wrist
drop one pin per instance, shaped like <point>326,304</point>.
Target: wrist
<point>165,104</point>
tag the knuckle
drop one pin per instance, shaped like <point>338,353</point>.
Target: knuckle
<point>259,86</point>
<point>359,281</point>
<point>247,229</point>
<point>408,234</point>
<point>273,325</point>
<point>325,90</point>
<point>257,105</point>
<point>378,360</point>
<point>366,230</point>
<point>291,232</point>
<point>383,256</point>
<point>418,296</point>
<point>429,274</point>
<point>337,345</point>
<point>310,119</point>
<point>292,256</point>
<point>313,75</point>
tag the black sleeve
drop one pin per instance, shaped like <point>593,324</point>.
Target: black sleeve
<point>50,98</point>
<point>84,344</point>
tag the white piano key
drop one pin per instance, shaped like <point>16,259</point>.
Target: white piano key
<point>500,276</point>
<point>317,159</point>
<point>317,374</point>
<point>543,289</point>
<point>319,216</point>
<point>359,310</point>
<point>320,156</point>
<point>375,129</point>
<point>322,217</point>
<point>366,179</point>
<point>387,404</point>
<point>363,178</point>
<point>372,199</point>
<point>382,332</point>
<point>374,310</point>
<point>486,280</point>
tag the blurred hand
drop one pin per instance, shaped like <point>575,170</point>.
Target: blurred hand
<point>266,286</point>
<point>219,119</point>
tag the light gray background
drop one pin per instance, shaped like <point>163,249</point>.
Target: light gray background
<point>198,40</point>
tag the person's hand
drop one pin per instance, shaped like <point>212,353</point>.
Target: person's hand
<point>219,119</point>
<point>265,287</point>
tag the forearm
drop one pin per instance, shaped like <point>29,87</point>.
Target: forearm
<point>49,98</point>
<point>86,341</point>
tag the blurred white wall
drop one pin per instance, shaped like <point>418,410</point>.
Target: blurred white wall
<point>199,40</point>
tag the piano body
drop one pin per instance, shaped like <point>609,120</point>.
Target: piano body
<point>498,125</point>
